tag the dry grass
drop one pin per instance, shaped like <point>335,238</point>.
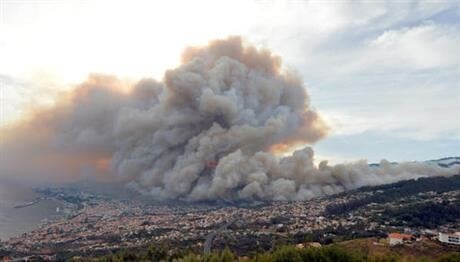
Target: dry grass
<point>429,249</point>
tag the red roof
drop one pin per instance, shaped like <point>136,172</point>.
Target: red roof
<point>400,236</point>
<point>211,164</point>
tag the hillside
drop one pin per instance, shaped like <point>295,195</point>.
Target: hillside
<point>391,192</point>
<point>446,161</point>
<point>103,225</point>
<point>425,248</point>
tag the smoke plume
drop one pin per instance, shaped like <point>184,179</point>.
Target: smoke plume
<point>208,131</point>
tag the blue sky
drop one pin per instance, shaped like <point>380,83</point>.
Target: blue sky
<point>390,86</point>
<point>384,74</point>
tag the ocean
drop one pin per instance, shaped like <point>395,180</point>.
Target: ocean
<point>15,221</point>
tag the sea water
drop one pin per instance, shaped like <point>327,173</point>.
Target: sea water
<point>15,221</point>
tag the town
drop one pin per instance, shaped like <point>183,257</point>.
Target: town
<point>95,224</point>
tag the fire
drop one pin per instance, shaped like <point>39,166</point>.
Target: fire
<point>103,164</point>
<point>283,149</point>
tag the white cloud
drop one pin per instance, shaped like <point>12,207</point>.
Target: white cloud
<point>420,112</point>
<point>362,59</point>
<point>421,47</point>
<point>427,46</point>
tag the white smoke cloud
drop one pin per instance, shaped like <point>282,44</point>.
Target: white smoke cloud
<point>207,132</point>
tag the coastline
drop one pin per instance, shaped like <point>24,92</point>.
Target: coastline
<point>23,210</point>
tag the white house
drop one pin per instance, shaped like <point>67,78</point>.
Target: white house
<point>453,238</point>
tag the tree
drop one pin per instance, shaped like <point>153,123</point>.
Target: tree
<point>227,256</point>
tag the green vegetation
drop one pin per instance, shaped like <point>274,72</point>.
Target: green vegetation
<point>452,257</point>
<point>395,191</point>
<point>282,254</point>
<point>427,215</point>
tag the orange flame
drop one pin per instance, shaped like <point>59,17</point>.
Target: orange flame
<point>282,149</point>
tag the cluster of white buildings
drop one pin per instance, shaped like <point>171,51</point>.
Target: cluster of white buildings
<point>450,238</point>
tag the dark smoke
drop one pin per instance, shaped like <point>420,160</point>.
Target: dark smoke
<point>207,132</point>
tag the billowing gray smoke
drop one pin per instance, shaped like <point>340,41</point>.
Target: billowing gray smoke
<point>207,132</point>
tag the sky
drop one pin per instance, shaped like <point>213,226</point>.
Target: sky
<point>385,75</point>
